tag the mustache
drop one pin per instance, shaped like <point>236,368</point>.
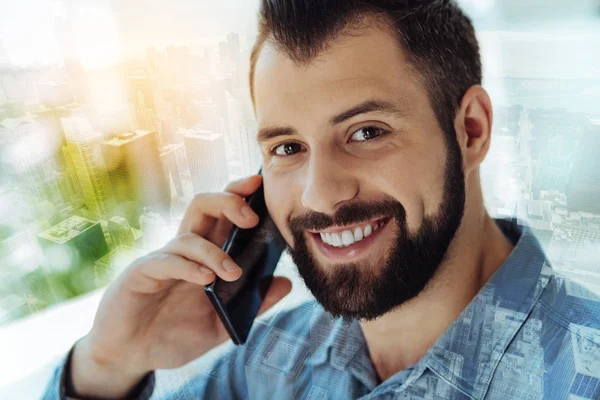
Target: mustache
<point>348,214</point>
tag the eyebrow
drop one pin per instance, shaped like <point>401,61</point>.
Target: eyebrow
<point>368,106</point>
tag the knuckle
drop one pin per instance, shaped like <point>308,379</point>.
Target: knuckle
<point>198,197</point>
<point>230,197</point>
<point>214,253</point>
<point>236,202</point>
<point>233,184</point>
<point>187,237</point>
<point>162,257</point>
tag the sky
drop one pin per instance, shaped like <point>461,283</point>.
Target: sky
<point>552,38</point>
<point>107,29</point>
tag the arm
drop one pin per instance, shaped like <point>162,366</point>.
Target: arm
<point>61,384</point>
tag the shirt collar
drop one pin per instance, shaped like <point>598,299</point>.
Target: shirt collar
<point>467,353</point>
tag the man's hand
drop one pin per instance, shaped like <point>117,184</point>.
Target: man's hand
<point>156,314</point>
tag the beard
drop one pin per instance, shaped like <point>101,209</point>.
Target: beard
<point>361,290</point>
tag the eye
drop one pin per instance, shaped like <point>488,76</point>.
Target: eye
<point>367,133</point>
<point>286,149</point>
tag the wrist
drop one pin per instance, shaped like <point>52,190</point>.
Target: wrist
<point>93,375</point>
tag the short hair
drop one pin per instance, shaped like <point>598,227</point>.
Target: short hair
<point>437,37</point>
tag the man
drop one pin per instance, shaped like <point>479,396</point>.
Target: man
<point>372,124</point>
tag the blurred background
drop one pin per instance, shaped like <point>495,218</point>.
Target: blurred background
<point>113,114</point>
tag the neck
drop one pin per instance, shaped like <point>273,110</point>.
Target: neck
<point>400,338</point>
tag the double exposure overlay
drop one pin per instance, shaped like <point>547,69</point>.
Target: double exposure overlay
<point>114,114</point>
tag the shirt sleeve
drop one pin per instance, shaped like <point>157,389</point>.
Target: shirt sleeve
<point>207,377</point>
<point>219,374</point>
<point>60,386</point>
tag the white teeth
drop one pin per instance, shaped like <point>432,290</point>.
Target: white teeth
<point>358,235</point>
<point>336,239</point>
<point>347,238</point>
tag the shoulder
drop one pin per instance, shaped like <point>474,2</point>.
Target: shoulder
<point>566,321</point>
<point>571,305</point>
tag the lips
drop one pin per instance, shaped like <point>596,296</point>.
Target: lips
<point>341,251</point>
<point>346,237</point>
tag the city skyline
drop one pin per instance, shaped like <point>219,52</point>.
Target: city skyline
<point>128,145</point>
<point>125,150</point>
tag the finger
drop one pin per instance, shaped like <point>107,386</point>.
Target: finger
<point>245,186</point>
<point>280,287</point>
<point>241,187</point>
<point>202,251</point>
<point>206,209</point>
<point>161,267</point>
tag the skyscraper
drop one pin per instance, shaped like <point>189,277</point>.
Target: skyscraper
<point>206,157</point>
<point>86,166</point>
<point>243,132</point>
<point>233,44</point>
<point>576,374</point>
<point>172,159</point>
<point>30,157</point>
<point>80,238</point>
<point>136,174</point>
<point>154,229</point>
<point>583,190</point>
<point>120,232</point>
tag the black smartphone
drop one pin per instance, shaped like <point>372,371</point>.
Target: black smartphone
<point>257,251</point>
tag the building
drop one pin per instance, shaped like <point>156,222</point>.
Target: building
<point>207,161</point>
<point>54,94</point>
<point>242,132</point>
<point>174,163</point>
<point>86,167</point>
<point>154,230</point>
<point>30,158</point>
<point>233,46</point>
<point>120,232</point>
<point>77,241</point>
<point>136,174</point>
<point>577,367</point>
<point>537,214</point>
<point>107,268</point>
<point>583,190</point>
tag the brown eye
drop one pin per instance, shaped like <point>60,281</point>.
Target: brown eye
<point>287,149</point>
<point>367,133</point>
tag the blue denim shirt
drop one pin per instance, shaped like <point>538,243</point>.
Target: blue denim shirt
<point>527,334</point>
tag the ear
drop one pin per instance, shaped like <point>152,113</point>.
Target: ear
<point>473,124</point>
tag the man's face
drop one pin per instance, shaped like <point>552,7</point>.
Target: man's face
<point>381,183</point>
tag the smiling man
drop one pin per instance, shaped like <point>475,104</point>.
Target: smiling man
<point>373,125</point>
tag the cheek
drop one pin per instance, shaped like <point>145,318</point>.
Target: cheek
<point>412,177</point>
<point>400,181</point>
<point>279,202</point>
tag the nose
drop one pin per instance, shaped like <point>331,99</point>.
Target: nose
<point>327,184</point>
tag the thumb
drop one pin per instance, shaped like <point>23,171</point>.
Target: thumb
<point>278,289</point>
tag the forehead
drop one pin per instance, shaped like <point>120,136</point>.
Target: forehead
<point>369,63</point>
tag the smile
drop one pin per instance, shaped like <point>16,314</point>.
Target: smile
<point>346,236</point>
<point>348,241</point>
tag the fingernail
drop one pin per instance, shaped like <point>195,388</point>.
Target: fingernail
<point>229,265</point>
<point>205,270</point>
<point>248,212</point>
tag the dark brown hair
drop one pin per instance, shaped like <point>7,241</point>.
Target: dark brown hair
<point>437,37</point>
